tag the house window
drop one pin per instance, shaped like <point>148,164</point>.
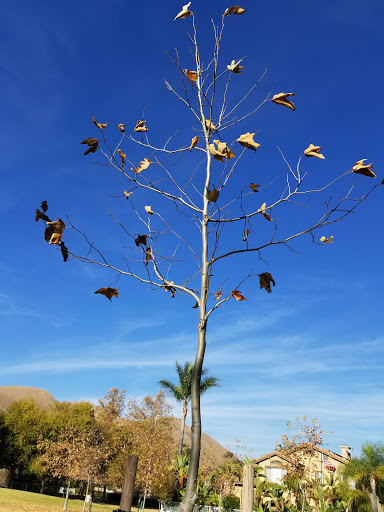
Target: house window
<point>275,475</point>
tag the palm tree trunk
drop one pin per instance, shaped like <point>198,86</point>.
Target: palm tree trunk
<point>182,427</point>
<point>374,495</point>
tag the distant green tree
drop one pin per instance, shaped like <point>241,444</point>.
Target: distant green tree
<point>181,392</point>
<point>367,469</point>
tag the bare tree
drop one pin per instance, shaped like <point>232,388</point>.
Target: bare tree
<point>212,156</point>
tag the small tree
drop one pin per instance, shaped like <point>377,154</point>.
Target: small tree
<point>181,392</point>
<point>220,135</point>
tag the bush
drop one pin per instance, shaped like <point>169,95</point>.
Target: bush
<point>230,503</point>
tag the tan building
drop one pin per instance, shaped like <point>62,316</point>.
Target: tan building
<point>318,462</point>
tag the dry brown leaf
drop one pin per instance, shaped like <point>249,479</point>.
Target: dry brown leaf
<point>265,281</point>
<point>93,143</point>
<point>236,9</point>
<point>108,292</point>
<point>192,75</point>
<point>49,230</point>
<point>366,169</point>
<point>42,216</point>
<point>254,187</point>
<point>184,13</point>
<point>121,127</point>
<point>326,240</point>
<point>141,239</point>
<point>99,125</point>
<point>148,209</point>
<point>213,195</point>
<point>58,226</point>
<point>281,99</point>
<point>123,156</point>
<point>148,255</point>
<point>127,194</point>
<point>218,295</point>
<point>235,67</point>
<point>246,140</point>
<point>237,295</point>
<point>194,142</point>
<point>64,252</point>
<point>140,126</point>
<point>209,125</point>
<point>221,152</point>
<point>262,211</point>
<point>247,233</point>
<point>44,206</point>
<point>144,164</point>
<point>314,151</point>
<point>170,288</point>
<point>195,306</point>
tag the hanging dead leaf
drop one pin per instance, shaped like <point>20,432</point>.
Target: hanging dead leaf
<point>123,156</point>
<point>49,230</point>
<point>93,143</point>
<point>140,126</point>
<point>195,306</point>
<point>313,151</point>
<point>235,66</point>
<point>184,13</point>
<point>281,99</point>
<point>236,294</point>
<point>144,164</point>
<point>247,233</point>
<point>265,281</point>
<point>148,209</point>
<point>192,75</point>
<point>148,255</point>
<point>41,215</point>
<point>246,140</point>
<point>209,125</point>
<point>170,288</point>
<point>58,226</point>
<point>263,212</point>
<point>194,142</point>
<point>366,169</point>
<point>213,195</point>
<point>218,295</point>
<point>121,127</point>
<point>236,9</point>
<point>44,206</point>
<point>141,239</point>
<point>221,152</point>
<point>254,187</point>
<point>108,292</point>
<point>99,125</point>
<point>64,251</point>
<point>127,194</point>
<point>326,240</point>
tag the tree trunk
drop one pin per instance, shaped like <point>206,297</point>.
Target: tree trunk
<point>190,496</point>
<point>42,486</point>
<point>374,495</point>
<point>182,428</point>
<point>248,488</point>
<point>66,497</point>
<point>129,483</point>
<point>86,494</point>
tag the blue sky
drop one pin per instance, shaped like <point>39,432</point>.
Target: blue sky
<point>315,345</point>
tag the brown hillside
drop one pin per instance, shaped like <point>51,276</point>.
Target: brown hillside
<point>10,394</point>
<point>212,453</point>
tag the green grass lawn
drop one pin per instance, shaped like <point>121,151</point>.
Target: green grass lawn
<point>22,501</point>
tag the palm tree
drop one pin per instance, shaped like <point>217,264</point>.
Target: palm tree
<point>181,392</point>
<point>368,468</point>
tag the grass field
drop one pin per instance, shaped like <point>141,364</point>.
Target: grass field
<point>21,501</point>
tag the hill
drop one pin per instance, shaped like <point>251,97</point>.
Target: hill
<point>10,394</point>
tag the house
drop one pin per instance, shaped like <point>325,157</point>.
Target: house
<point>316,461</point>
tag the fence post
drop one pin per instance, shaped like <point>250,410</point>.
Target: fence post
<point>129,484</point>
<point>248,491</point>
